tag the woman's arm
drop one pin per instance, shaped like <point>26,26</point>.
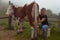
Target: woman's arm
<point>43,19</point>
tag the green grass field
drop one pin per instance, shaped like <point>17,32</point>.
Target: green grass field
<point>55,32</point>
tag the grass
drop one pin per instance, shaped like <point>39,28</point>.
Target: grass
<point>55,32</point>
<point>4,22</point>
<point>26,32</point>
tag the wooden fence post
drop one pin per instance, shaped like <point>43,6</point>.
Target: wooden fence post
<point>9,19</point>
<point>9,22</point>
<point>9,2</point>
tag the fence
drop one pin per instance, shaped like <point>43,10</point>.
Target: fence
<point>9,20</point>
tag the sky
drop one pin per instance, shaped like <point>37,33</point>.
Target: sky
<point>53,5</point>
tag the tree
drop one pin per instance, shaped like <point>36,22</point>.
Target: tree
<point>49,13</point>
<point>59,19</point>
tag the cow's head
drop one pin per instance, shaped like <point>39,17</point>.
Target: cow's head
<point>10,10</point>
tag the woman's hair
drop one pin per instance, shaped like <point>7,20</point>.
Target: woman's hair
<point>43,9</point>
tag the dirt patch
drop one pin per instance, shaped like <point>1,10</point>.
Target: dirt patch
<point>7,34</point>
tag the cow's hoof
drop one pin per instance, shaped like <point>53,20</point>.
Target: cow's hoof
<point>18,32</point>
<point>33,38</point>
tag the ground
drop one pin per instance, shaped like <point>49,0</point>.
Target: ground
<point>7,34</point>
<point>25,35</point>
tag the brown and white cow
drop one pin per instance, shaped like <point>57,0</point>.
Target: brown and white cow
<point>18,15</point>
<point>31,11</point>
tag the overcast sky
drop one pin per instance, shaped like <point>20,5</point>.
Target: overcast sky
<point>54,5</point>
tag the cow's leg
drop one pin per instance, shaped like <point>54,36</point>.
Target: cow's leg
<point>14,23</point>
<point>19,27</point>
<point>33,33</point>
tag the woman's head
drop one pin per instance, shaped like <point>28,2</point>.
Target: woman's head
<point>43,11</point>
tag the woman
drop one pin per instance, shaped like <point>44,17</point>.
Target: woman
<point>43,22</point>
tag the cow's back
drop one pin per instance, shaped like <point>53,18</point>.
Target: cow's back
<point>19,12</point>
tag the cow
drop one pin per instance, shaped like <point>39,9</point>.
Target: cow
<point>17,14</point>
<point>30,11</point>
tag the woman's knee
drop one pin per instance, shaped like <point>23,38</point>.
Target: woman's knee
<point>45,26</point>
